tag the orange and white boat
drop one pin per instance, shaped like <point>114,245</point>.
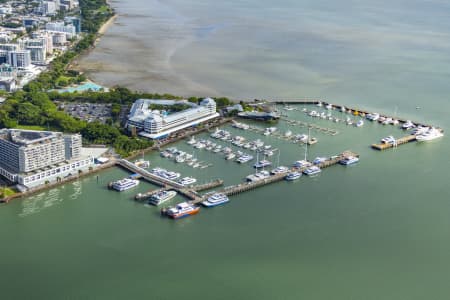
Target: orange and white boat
<point>183,209</point>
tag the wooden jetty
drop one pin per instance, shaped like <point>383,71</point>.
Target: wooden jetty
<point>207,186</point>
<point>398,142</point>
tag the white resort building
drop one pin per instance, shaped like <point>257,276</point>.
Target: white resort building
<point>157,124</point>
<point>31,158</point>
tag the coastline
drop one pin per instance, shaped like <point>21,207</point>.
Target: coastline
<point>106,25</point>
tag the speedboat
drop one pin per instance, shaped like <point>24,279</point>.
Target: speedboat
<point>183,209</point>
<point>180,158</point>
<point>230,155</point>
<point>360,123</point>
<point>319,160</point>
<point>288,133</point>
<point>125,184</point>
<point>187,181</point>
<point>192,141</point>
<point>373,117</point>
<point>312,170</point>
<point>215,199</point>
<point>262,163</point>
<point>280,170</point>
<point>430,135</point>
<point>349,160</point>
<point>161,197</point>
<point>293,176</point>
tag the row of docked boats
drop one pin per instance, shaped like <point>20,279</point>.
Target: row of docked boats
<point>179,156</point>
<point>328,116</point>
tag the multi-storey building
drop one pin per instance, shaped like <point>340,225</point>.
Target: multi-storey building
<point>69,29</point>
<point>31,157</point>
<point>157,124</point>
<point>20,59</point>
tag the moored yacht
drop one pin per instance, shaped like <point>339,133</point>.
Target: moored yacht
<point>349,160</point>
<point>262,163</point>
<point>430,135</point>
<point>258,176</point>
<point>244,158</point>
<point>161,197</point>
<point>187,181</point>
<point>215,199</point>
<point>280,170</point>
<point>293,176</point>
<point>301,164</point>
<point>408,125</point>
<point>312,170</point>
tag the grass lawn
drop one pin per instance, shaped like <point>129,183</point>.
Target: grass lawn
<point>31,127</point>
<point>8,192</point>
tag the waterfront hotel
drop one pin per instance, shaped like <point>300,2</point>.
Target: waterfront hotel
<point>31,158</point>
<point>157,124</point>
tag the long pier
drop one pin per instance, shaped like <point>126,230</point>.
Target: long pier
<point>244,187</point>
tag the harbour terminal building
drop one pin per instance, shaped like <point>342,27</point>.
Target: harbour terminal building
<point>31,158</point>
<point>156,124</point>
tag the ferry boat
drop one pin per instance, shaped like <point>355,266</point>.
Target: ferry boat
<point>183,209</point>
<point>215,199</point>
<point>125,184</point>
<point>293,176</point>
<point>161,197</point>
<point>430,135</point>
<point>262,163</point>
<point>312,170</point>
<point>187,180</point>
<point>280,170</point>
<point>349,160</point>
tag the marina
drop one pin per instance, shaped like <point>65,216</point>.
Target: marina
<point>228,143</point>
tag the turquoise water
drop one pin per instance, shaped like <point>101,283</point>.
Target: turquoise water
<point>82,88</point>
<point>376,230</point>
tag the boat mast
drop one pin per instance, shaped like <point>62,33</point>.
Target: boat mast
<point>307,141</point>
<point>278,159</point>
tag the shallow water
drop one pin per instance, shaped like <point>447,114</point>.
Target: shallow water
<point>376,230</point>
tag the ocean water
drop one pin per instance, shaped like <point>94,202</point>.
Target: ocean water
<point>376,230</point>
